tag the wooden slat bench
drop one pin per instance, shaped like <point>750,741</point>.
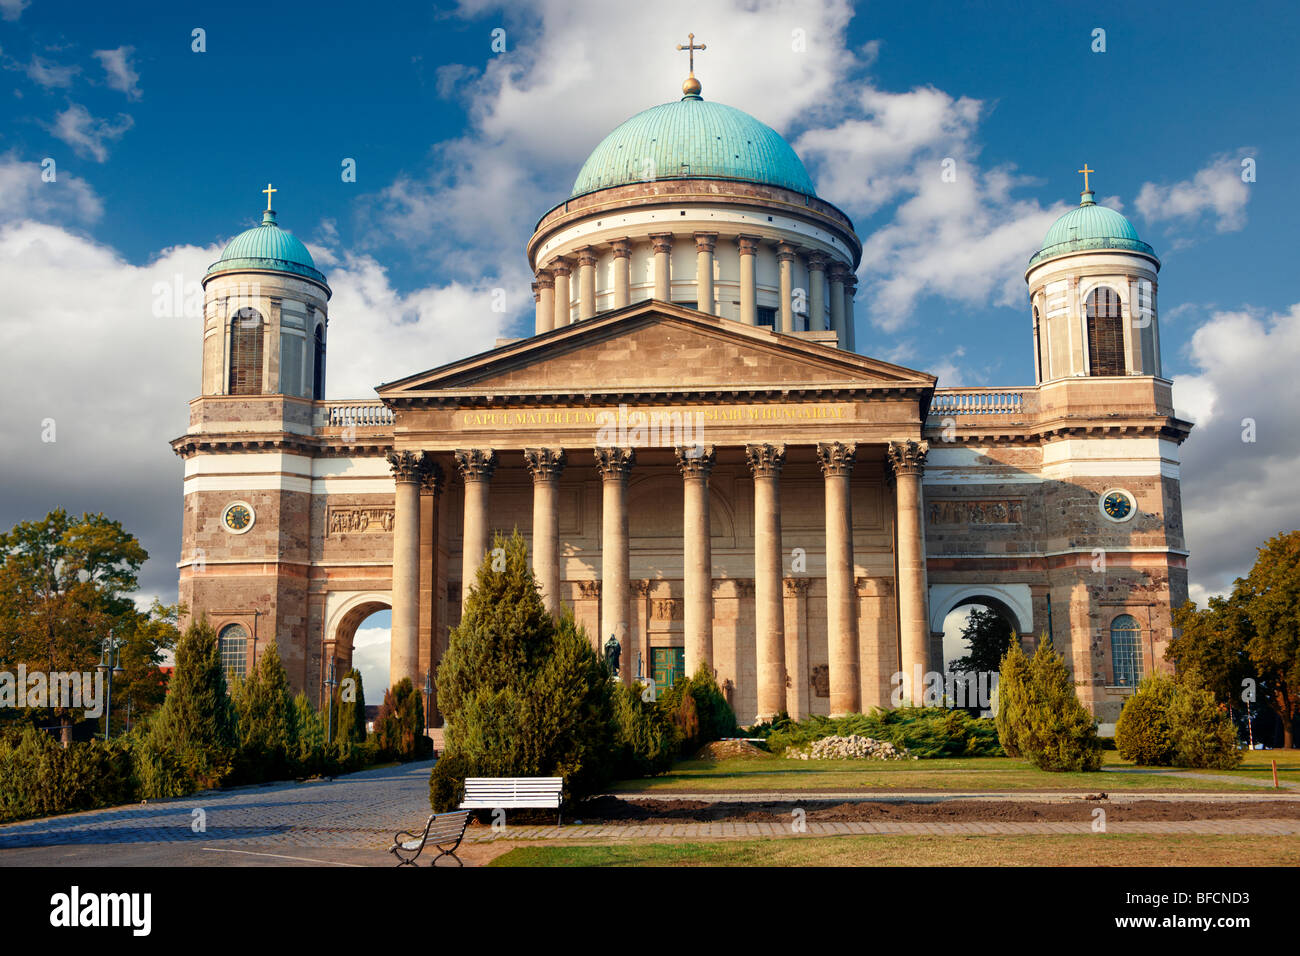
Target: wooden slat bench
<point>441,830</point>
<point>489,793</point>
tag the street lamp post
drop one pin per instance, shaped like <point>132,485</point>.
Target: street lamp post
<point>330,683</point>
<point>110,663</point>
<point>428,696</point>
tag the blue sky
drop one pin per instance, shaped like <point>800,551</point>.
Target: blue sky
<point>162,152</point>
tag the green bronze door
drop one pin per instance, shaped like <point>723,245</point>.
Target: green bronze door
<point>667,664</point>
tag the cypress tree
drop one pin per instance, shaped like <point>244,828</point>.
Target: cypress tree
<point>1143,733</point>
<point>267,731</point>
<point>522,693</point>
<point>1013,684</point>
<point>1055,730</point>
<point>195,728</point>
<point>350,715</point>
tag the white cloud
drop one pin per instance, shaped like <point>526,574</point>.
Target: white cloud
<point>50,75</point>
<point>370,655</point>
<point>121,74</point>
<point>1216,191</point>
<point>85,134</point>
<point>24,194</point>
<point>13,9</point>
<point>1236,494</point>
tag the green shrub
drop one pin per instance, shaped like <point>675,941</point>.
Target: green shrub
<point>268,736</point>
<point>399,725</point>
<point>645,740</point>
<point>192,738</point>
<point>1012,693</point>
<point>1052,729</point>
<point>716,718</point>
<point>1204,735</point>
<point>678,706</point>
<point>39,777</point>
<point>1143,732</point>
<point>350,715</point>
<point>447,783</point>
<point>524,694</point>
<point>926,732</point>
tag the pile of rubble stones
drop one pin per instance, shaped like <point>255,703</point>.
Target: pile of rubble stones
<point>852,747</point>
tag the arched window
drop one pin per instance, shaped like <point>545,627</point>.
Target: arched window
<point>318,374</point>
<point>246,353</point>
<point>1105,333</point>
<point>232,646</point>
<point>1126,651</point>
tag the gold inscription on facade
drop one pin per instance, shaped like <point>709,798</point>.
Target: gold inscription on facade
<point>359,520</point>
<point>966,511</point>
<point>633,416</point>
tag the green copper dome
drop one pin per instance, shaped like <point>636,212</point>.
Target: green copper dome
<point>267,247</point>
<point>693,139</point>
<point>1089,227</point>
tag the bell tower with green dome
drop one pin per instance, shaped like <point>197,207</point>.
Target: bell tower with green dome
<point>266,316</point>
<point>1092,290</point>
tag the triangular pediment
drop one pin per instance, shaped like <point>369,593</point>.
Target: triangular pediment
<point>660,348</point>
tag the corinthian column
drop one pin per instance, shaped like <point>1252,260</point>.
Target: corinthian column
<point>545,465</point>
<point>850,290</point>
<point>561,270</point>
<point>622,272</point>
<point>696,464</point>
<point>404,649</point>
<point>841,589</point>
<point>704,245</point>
<point>663,246</point>
<point>748,283</point>
<point>817,290</point>
<point>769,606</point>
<point>586,283</point>
<point>836,275</point>
<point>476,466</point>
<point>785,256</point>
<point>907,459</point>
<point>545,320</point>
<point>615,587</point>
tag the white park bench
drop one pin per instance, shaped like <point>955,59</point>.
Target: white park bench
<point>490,793</point>
<point>441,830</point>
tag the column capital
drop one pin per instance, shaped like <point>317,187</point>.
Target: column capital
<point>537,292</point>
<point>545,464</point>
<point>748,244</point>
<point>587,256</point>
<point>545,280</point>
<point>817,261</point>
<point>696,461</point>
<point>837,271</point>
<point>613,462</point>
<point>908,457</point>
<point>589,590</point>
<point>561,267</point>
<point>850,285</point>
<point>765,460</point>
<point>797,587</point>
<point>432,479</point>
<point>642,586</point>
<point>786,252</point>
<point>705,241</point>
<point>476,464</point>
<point>622,248</point>
<point>407,465</point>
<point>662,241</point>
<point>837,457</point>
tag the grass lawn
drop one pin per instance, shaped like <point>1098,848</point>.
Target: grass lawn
<point>1256,765</point>
<point>1036,850</point>
<point>975,773</point>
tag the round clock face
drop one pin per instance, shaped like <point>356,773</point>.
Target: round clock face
<point>238,517</point>
<point>1117,505</point>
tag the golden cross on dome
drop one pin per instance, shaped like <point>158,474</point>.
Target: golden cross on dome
<point>1085,172</point>
<point>268,190</point>
<point>691,46</point>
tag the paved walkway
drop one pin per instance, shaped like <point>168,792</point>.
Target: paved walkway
<point>360,810</point>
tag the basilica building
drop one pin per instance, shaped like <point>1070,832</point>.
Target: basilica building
<point>703,465</point>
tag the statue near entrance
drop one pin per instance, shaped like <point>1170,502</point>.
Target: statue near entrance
<point>612,653</point>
